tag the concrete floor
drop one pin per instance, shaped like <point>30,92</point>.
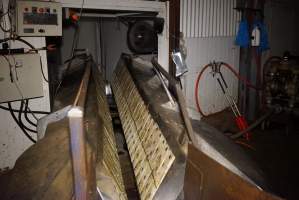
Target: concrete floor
<point>274,150</point>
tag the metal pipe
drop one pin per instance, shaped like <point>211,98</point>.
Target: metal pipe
<point>180,99</point>
<point>164,86</point>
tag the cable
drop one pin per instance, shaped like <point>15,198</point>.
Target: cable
<point>20,119</point>
<point>16,120</point>
<point>20,40</point>
<point>74,46</point>
<point>2,20</point>
<point>33,49</point>
<point>16,110</point>
<point>26,114</point>
<point>41,69</point>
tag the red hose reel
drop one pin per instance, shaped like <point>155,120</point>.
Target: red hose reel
<point>216,70</point>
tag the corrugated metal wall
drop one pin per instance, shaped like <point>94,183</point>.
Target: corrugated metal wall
<point>209,18</point>
<point>202,51</point>
<point>209,28</point>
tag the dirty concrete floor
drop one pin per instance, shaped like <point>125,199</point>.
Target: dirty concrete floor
<point>274,149</point>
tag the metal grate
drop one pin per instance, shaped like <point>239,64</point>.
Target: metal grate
<point>110,157</point>
<point>209,18</point>
<point>150,154</point>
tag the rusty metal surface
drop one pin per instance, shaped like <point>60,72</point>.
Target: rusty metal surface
<point>150,153</point>
<point>82,91</point>
<point>82,183</point>
<point>108,158</point>
<point>78,152</point>
<point>207,179</point>
<point>45,170</point>
<point>214,143</point>
<point>209,140</point>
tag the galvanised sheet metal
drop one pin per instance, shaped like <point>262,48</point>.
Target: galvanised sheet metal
<point>110,157</point>
<point>150,153</point>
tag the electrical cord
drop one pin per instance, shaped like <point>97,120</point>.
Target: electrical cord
<point>41,69</point>
<point>20,119</point>
<point>26,114</point>
<point>20,40</point>
<point>3,20</point>
<point>17,122</point>
<point>21,110</point>
<point>32,49</point>
<point>16,110</point>
<point>74,46</point>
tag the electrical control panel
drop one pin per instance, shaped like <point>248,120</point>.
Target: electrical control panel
<point>20,77</point>
<point>38,18</point>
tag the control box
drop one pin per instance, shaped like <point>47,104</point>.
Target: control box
<point>20,77</point>
<point>38,18</point>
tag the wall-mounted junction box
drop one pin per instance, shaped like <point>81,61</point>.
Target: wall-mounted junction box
<point>38,18</point>
<point>22,78</point>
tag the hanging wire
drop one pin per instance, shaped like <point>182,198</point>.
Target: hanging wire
<point>74,46</point>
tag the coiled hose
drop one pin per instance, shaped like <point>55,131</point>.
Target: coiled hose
<point>253,125</point>
<point>230,68</point>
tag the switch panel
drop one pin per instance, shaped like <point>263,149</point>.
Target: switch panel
<point>39,18</point>
<point>20,77</point>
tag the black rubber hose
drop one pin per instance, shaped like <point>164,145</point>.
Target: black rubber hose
<point>253,125</point>
<point>20,40</point>
<point>26,114</point>
<point>16,110</point>
<point>20,119</point>
<point>16,120</point>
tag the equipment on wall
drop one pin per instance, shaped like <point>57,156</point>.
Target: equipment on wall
<point>221,64</point>
<point>17,84</point>
<point>217,74</point>
<point>180,63</point>
<point>281,82</point>
<point>142,38</point>
<point>16,72</point>
<point>38,18</point>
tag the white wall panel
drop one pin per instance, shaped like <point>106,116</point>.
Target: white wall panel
<point>202,51</point>
<point>208,18</point>
<point>209,28</point>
